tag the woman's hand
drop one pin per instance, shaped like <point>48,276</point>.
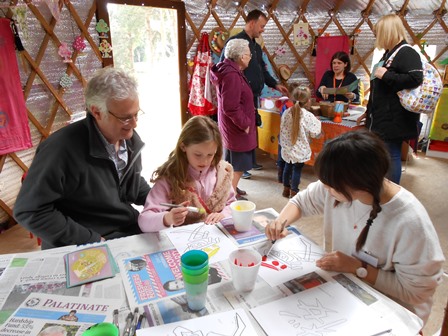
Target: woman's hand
<point>350,96</point>
<point>380,71</point>
<point>214,218</point>
<point>338,262</point>
<point>324,95</point>
<point>276,229</point>
<point>247,130</point>
<point>176,216</point>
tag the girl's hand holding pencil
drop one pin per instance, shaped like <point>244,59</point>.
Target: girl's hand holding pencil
<point>176,215</point>
<point>276,229</point>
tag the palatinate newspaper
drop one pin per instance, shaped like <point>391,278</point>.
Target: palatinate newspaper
<point>41,312</point>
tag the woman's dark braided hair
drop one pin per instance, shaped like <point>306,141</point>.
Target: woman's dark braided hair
<point>356,160</point>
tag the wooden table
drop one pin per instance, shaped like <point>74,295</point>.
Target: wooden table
<point>269,131</point>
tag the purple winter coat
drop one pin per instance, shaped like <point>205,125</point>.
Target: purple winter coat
<point>236,109</point>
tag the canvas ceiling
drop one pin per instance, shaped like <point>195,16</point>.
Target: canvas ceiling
<point>50,107</point>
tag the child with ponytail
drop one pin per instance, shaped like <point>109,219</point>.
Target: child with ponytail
<point>297,127</point>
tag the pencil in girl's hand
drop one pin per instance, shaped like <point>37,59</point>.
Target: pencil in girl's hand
<point>200,211</point>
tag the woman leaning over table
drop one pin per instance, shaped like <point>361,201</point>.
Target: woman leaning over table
<point>338,76</point>
<point>236,117</point>
<point>374,228</point>
<point>385,116</point>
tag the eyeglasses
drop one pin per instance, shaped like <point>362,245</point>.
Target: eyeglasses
<point>127,120</point>
<point>250,55</point>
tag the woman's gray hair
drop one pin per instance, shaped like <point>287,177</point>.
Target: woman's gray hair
<point>109,84</point>
<point>235,49</point>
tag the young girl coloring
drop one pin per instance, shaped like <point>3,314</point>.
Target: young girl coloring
<point>297,127</point>
<point>194,175</point>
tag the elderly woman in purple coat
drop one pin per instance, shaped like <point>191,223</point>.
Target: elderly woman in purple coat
<point>236,117</point>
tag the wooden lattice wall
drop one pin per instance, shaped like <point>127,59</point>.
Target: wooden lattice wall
<point>50,106</point>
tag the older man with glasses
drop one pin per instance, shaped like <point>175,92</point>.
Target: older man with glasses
<point>85,177</point>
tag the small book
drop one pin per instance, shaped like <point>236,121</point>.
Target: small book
<point>256,232</point>
<point>89,264</point>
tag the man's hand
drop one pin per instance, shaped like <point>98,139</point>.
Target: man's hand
<point>282,89</point>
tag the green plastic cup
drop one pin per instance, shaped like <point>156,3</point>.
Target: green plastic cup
<point>194,263</point>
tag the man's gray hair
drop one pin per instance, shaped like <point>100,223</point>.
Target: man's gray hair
<point>235,49</point>
<point>109,84</point>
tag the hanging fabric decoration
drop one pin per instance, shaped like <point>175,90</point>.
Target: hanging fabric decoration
<point>301,34</point>
<point>102,28</point>
<point>105,49</point>
<point>352,50</point>
<point>14,129</point>
<point>79,44</point>
<point>19,46</point>
<point>66,81</point>
<point>65,52</point>
<point>55,10</point>
<point>201,101</point>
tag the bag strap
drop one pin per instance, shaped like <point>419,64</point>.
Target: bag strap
<point>390,59</point>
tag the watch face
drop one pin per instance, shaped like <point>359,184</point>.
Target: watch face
<point>361,272</point>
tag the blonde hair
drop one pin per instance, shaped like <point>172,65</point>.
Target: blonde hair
<point>196,130</point>
<point>301,94</point>
<point>389,32</point>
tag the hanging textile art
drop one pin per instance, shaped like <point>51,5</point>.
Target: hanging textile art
<point>14,128</point>
<point>201,101</point>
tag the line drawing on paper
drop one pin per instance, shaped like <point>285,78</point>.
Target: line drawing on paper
<point>239,329</point>
<point>200,239</point>
<point>313,319</point>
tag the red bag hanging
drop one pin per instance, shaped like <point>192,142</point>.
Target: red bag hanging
<point>201,90</point>
<point>14,128</point>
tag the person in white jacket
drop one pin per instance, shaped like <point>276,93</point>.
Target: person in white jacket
<point>373,227</point>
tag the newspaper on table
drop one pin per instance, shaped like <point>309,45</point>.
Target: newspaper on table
<point>71,314</point>
<point>158,275</point>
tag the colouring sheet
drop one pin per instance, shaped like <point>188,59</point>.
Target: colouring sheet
<point>319,311</point>
<point>291,257</point>
<point>207,238</point>
<point>231,323</point>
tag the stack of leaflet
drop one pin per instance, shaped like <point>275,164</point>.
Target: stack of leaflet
<point>89,264</point>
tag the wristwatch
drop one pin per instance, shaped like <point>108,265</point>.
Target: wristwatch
<point>361,272</point>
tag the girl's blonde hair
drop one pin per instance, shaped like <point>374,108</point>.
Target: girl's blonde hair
<point>196,130</point>
<point>301,94</point>
<point>389,32</point>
